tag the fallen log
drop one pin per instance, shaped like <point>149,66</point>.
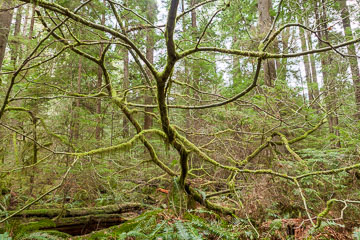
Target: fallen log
<point>75,212</point>
<point>71,225</point>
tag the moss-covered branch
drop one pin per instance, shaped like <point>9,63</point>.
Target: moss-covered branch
<point>121,146</point>
<point>256,152</point>
<point>323,214</point>
<point>287,146</point>
<point>212,206</point>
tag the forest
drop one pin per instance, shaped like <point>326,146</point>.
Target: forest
<point>179,119</point>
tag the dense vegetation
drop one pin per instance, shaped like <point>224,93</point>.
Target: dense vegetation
<point>192,119</point>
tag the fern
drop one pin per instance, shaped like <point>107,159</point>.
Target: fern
<point>157,229</point>
<point>5,236</point>
<point>136,223</point>
<point>193,231</point>
<point>182,231</point>
<point>215,229</point>
<point>356,234</point>
<point>148,227</point>
<point>136,234</point>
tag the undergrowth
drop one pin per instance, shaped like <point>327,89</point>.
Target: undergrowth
<point>160,224</point>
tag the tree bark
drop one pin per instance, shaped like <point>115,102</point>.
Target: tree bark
<point>264,25</point>
<point>196,69</point>
<point>354,65</point>
<point>76,131</point>
<point>5,23</point>
<point>326,61</point>
<point>126,130</point>
<point>24,30</point>
<point>99,129</point>
<point>35,153</point>
<point>25,27</point>
<point>15,52</point>
<point>150,42</point>
<point>314,78</point>
<point>307,67</point>
<point>32,22</point>
<point>282,69</point>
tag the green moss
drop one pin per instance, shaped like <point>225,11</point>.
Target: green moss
<point>99,235</point>
<point>32,227</point>
<point>323,214</point>
<point>51,235</point>
<point>58,234</point>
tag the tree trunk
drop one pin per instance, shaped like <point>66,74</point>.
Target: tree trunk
<point>126,130</point>
<point>32,22</point>
<point>354,65</point>
<point>314,79</point>
<point>150,42</point>
<point>264,25</point>
<point>235,62</point>
<point>5,23</point>
<point>196,68</point>
<point>24,30</point>
<point>98,130</point>
<point>186,75</point>
<point>326,62</point>
<point>14,54</point>
<point>307,67</point>
<point>76,131</point>
<point>282,69</point>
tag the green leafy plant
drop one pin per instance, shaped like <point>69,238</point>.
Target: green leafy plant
<point>5,236</point>
<point>161,224</point>
<point>356,234</point>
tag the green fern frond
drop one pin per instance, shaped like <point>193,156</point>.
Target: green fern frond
<point>182,231</point>
<point>134,223</point>
<point>157,229</point>
<point>195,235</point>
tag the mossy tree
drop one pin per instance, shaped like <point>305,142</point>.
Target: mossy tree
<point>247,130</point>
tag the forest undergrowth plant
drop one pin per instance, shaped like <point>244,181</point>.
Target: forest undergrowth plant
<point>155,224</point>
